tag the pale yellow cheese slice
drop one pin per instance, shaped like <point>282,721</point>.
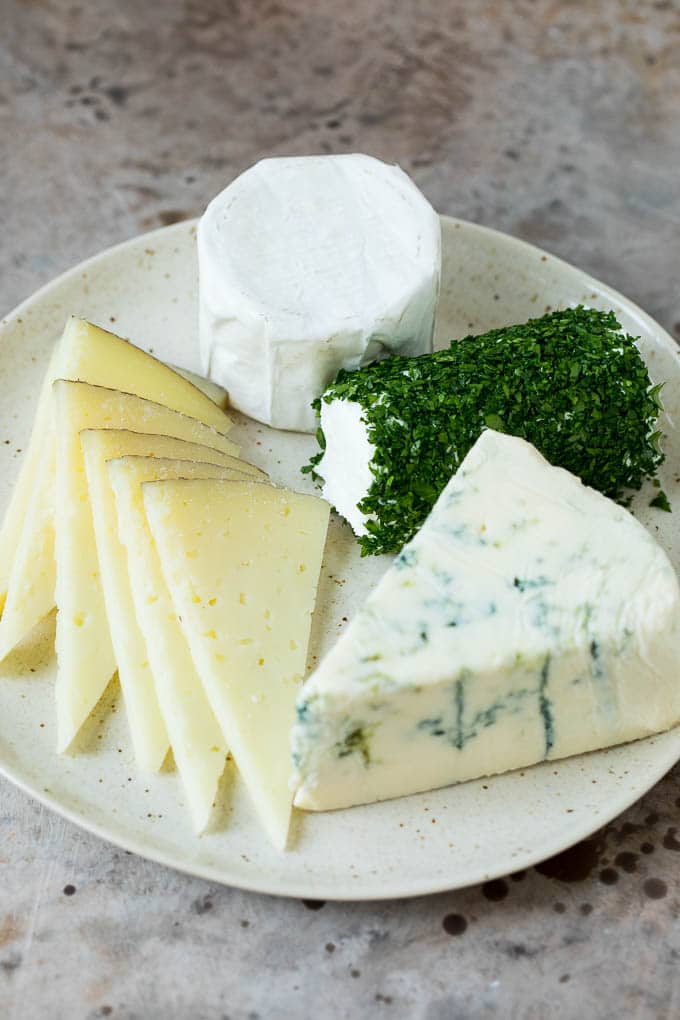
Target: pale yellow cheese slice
<point>30,594</point>
<point>241,561</point>
<point>91,354</point>
<point>216,393</point>
<point>31,469</point>
<point>88,351</point>
<point>149,737</point>
<point>196,739</point>
<point>86,660</point>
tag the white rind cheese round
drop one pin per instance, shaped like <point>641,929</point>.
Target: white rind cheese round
<point>308,265</point>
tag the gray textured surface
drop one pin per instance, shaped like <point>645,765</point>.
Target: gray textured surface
<point>556,122</point>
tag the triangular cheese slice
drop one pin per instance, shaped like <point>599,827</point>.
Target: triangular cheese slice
<point>530,618</point>
<point>86,660</point>
<point>90,354</point>
<point>29,473</point>
<point>241,561</point>
<point>211,389</point>
<point>30,594</point>
<point>197,742</point>
<point>149,737</point>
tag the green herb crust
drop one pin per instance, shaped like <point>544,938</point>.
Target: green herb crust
<point>572,383</point>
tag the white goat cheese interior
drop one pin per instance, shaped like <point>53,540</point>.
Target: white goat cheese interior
<point>346,460</point>
<point>308,265</point>
<point>530,618</point>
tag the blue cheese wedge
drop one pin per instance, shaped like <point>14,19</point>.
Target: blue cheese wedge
<point>530,618</point>
<point>308,265</point>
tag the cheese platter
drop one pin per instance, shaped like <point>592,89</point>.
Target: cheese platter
<point>147,289</point>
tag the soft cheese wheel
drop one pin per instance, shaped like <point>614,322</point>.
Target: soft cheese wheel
<point>309,265</point>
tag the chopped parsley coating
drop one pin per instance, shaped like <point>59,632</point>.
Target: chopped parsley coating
<point>572,383</point>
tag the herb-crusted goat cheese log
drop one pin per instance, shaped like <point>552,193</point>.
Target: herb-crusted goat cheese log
<point>572,383</point>
<point>530,618</point>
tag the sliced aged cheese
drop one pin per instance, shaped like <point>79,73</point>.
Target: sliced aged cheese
<point>216,393</point>
<point>196,739</point>
<point>30,594</point>
<point>308,265</point>
<point>93,355</point>
<point>530,618</point>
<point>90,354</point>
<point>147,728</point>
<point>31,469</point>
<point>241,561</point>
<point>86,660</point>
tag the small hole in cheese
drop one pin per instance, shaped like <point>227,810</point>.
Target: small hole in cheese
<point>79,620</point>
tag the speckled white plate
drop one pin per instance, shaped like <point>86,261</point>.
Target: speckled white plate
<point>146,289</point>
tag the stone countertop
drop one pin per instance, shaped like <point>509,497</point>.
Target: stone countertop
<point>556,122</point>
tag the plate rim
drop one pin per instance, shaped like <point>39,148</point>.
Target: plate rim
<point>295,888</point>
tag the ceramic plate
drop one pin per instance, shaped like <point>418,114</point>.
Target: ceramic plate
<point>146,289</point>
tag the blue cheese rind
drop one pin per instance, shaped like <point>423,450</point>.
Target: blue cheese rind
<point>529,619</point>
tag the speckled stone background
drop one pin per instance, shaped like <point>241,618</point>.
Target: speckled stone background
<point>557,122</point>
